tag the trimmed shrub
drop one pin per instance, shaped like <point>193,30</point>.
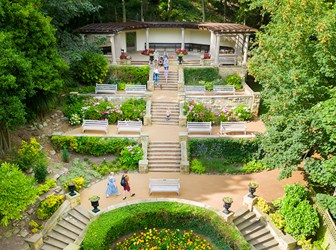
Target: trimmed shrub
<point>65,155</point>
<point>130,74</point>
<point>234,80</point>
<point>263,205</point>
<point>197,167</point>
<point>192,76</point>
<point>253,167</point>
<point>49,206</point>
<point>112,225</point>
<point>40,171</point>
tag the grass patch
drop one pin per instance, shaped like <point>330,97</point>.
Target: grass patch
<point>220,165</point>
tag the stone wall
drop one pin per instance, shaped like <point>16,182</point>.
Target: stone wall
<point>230,70</point>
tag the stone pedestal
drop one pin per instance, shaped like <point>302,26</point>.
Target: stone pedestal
<point>147,120</point>
<point>228,217</point>
<point>249,202</point>
<point>143,166</point>
<point>183,121</point>
<point>35,242</point>
<point>184,167</point>
<point>74,200</point>
<point>183,136</point>
<point>94,216</point>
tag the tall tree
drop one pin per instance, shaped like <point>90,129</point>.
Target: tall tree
<point>294,61</point>
<point>124,10</point>
<point>203,10</point>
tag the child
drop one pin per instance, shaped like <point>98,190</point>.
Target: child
<point>168,114</point>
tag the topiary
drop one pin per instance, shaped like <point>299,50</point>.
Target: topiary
<point>65,155</point>
<point>197,167</point>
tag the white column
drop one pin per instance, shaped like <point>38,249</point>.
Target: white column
<point>182,38</point>
<point>246,42</point>
<point>113,50</point>
<point>217,50</point>
<point>212,50</point>
<point>236,44</point>
<point>147,38</point>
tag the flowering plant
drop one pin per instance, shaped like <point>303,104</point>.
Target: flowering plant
<point>181,52</point>
<point>164,239</point>
<point>197,112</point>
<point>94,198</point>
<point>75,119</point>
<point>206,56</point>
<point>223,116</point>
<point>130,156</point>
<point>253,184</point>
<point>228,199</point>
<point>242,113</point>
<point>147,52</point>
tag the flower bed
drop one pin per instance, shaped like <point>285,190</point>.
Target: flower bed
<point>147,52</point>
<point>164,239</point>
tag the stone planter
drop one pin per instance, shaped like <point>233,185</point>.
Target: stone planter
<point>252,191</point>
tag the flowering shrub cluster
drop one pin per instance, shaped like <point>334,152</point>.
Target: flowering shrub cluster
<point>130,156</point>
<point>164,239</point>
<point>75,119</point>
<point>181,52</point>
<point>197,112</point>
<point>147,52</point>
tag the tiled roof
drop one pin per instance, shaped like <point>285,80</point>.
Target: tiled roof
<point>112,28</point>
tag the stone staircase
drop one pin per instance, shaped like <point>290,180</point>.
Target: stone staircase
<point>159,109</point>
<point>254,230</point>
<point>164,156</point>
<point>171,83</point>
<point>191,62</point>
<point>67,230</point>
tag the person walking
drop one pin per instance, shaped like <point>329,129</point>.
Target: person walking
<point>166,64</point>
<point>156,76</point>
<point>166,75</point>
<point>168,113</point>
<point>156,58</point>
<point>125,182</point>
<point>112,188</point>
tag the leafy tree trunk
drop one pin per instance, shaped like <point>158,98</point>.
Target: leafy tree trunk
<point>5,143</point>
<point>224,4</point>
<point>142,12</point>
<point>170,8</point>
<point>203,10</point>
<point>124,11</point>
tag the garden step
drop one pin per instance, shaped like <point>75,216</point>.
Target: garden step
<point>166,149</point>
<point>257,233</point>
<point>60,237</point>
<point>164,157</point>
<point>81,218</point>
<point>66,225</point>
<point>276,247</point>
<point>243,218</point>
<point>252,228</point>
<point>247,223</point>
<point>167,162</point>
<point>153,169</point>
<point>261,239</point>
<point>83,211</point>
<point>49,247</point>
<point>172,123</point>
<point>267,245</point>
<point>66,232</point>
<point>163,165</point>
<point>73,221</point>
<point>241,211</point>
<point>55,243</point>
<point>170,154</point>
<point>160,143</point>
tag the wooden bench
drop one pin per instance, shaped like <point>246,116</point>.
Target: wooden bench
<point>226,127</point>
<point>106,88</point>
<point>129,126</point>
<point>132,88</point>
<point>229,59</point>
<point>199,127</point>
<point>164,185</point>
<point>223,89</point>
<point>194,89</point>
<point>101,125</point>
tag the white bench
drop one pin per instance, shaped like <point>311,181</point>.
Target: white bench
<point>129,126</point>
<point>164,185</point>
<point>106,88</point>
<point>194,89</point>
<point>199,127</point>
<point>226,127</point>
<point>223,89</point>
<point>101,125</point>
<point>132,88</point>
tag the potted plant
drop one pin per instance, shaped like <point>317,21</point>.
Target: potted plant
<point>71,188</point>
<point>206,56</point>
<point>252,188</point>
<point>125,59</point>
<point>180,54</point>
<point>227,204</point>
<point>95,203</point>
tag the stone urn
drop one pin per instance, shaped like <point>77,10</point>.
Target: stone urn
<point>72,188</point>
<point>252,188</point>
<point>227,204</point>
<point>95,203</point>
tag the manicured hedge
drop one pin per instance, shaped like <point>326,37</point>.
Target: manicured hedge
<point>130,74</point>
<point>92,145</point>
<point>192,76</point>
<point>224,148</point>
<point>111,226</point>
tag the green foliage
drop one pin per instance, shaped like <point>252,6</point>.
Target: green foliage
<point>73,104</point>
<point>130,74</point>
<point>254,166</point>
<point>90,69</point>
<point>34,226</point>
<point>193,76</point>
<point>130,157</point>
<point>197,112</point>
<point>17,191</point>
<point>133,109</point>
<point>327,202</point>
<point>234,80</point>
<point>300,216</point>
<point>242,112</point>
<point>30,154</point>
<point>123,221</point>
<point>278,220</point>
<point>263,205</point>
<point>75,119</point>
<point>40,171</point>
<point>78,181</point>
<point>321,172</point>
<point>77,170</point>
<point>43,188</point>
<point>65,155</point>
<point>96,146</point>
<point>49,206</point>
<point>197,167</point>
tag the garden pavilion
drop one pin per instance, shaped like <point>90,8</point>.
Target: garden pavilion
<point>227,43</point>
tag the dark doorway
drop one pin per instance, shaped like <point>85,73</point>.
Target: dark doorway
<point>131,41</point>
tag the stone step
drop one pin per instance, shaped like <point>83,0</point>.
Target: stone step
<point>252,228</point>
<point>81,218</point>
<point>168,148</point>
<point>262,239</point>
<point>256,234</point>
<point>271,244</point>
<point>247,223</point>
<point>276,247</point>
<point>49,247</point>
<point>172,123</point>
<point>60,237</point>
<point>153,169</point>
<point>54,243</point>
<point>83,211</point>
<point>73,221</point>
<point>169,154</point>
<point>65,232</point>
<point>243,217</point>
<point>153,158</point>
<point>163,165</point>
<point>164,162</point>
<point>164,143</point>
<point>69,226</point>
<point>241,211</point>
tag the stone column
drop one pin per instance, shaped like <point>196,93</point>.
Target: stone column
<point>74,200</point>
<point>245,48</point>
<point>184,165</point>
<point>182,38</point>
<point>216,56</point>
<point>113,50</point>
<point>147,38</point>
<point>212,49</point>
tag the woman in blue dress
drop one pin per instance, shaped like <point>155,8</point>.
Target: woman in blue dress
<point>112,188</point>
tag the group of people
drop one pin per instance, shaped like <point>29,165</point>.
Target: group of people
<point>112,188</point>
<point>160,61</point>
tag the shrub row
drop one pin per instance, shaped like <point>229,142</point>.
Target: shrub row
<point>92,145</point>
<point>123,221</point>
<point>129,74</point>
<point>194,75</point>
